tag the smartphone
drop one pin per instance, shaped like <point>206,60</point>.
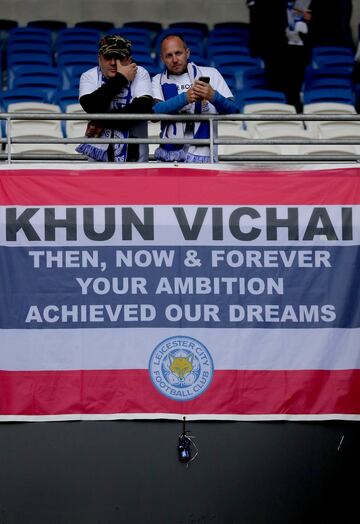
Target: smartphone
<point>205,79</point>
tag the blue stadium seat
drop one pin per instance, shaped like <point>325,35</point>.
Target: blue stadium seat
<point>36,70</point>
<point>143,59</point>
<point>154,70</point>
<point>77,35</point>
<point>230,79</point>
<point>65,97</point>
<point>223,35</point>
<point>312,74</point>
<point>67,64</point>
<point>22,94</point>
<point>140,48</point>
<point>332,51</point>
<point>48,84</point>
<point>5,26</point>
<point>254,77</point>
<point>36,34</point>
<point>238,62</point>
<point>27,46</point>
<point>153,27</point>
<point>232,25</point>
<point>66,49</point>
<point>17,60</point>
<point>200,26</point>
<point>343,96</point>
<point>255,96</point>
<point>344,61</point>
<point>227,49</point>
<point>100,25</point>
<point>53,25</point>
<point>72,81</point>
<point>328,83</point>
<point>137,37</point>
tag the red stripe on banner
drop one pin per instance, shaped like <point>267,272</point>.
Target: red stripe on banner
<point>239,392</point>
<point>172,185</point>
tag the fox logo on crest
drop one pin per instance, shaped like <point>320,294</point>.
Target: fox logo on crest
<point>181,368</point>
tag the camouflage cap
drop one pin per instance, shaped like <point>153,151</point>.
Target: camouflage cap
<point>115,45</point>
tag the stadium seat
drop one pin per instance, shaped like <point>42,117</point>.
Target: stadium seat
<point>36,128</point>
<point>329,150</point>
<point>65,97</point>
<point>48,84</point>
<point>326,108</point>
<point>256,150</point>
<point>344,61</point>
<point>17,60</point>
<point>215,49</point>
<point>254,77</point>
<point>241,26</point>
<point>268,108</point>
<point>30,37</point>
<point>143,59</point>
<point>312,75</point>
<point>76,48</point>
<point>331,50</point>
<point>23,94</point>
<point>255,96</point>
<point>137,36</point>
<point>200,26</point>
<point>40,149</point>
<point>154,27</point>
<point>328,82</point>
<point>7,24</point>
<point>39,71</point>
<point>53,25</point>
<point>342,130</point>
<point>28,46</point>
<point>153,132</point>
<point>100,25</point>
<point>228,39</point>
<point>72,63</point>
<point>74,128</point>
<point>236,62</point>
<point>77,35</point>
<point>33,107</point>
<point>230,129</point>
<point>329,108</point>
<point>344,96</point>
<point>72,81</point>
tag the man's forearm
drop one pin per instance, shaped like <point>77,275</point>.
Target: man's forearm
<point>172,105</point>
<point>224,106</point>
<point>99,101</point>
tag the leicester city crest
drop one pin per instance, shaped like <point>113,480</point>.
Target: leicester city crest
<point>181,368</point>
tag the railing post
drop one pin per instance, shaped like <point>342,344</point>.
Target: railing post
<point>8,138</point>
<point>211,137</point>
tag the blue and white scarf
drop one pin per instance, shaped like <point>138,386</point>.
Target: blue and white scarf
<point>99,152</point>
<point>181,152</point>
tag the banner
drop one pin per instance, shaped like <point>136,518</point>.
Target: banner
<point>177,291</point>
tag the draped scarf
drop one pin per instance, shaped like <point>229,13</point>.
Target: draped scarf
<point>99,152</point>
<point>179,152</point>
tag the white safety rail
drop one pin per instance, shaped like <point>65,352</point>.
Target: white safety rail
<point>250,137</point>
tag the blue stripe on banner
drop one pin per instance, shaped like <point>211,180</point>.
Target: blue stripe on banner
<point>226,287</point>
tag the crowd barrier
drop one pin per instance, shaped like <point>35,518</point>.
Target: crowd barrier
<point>7,156</point>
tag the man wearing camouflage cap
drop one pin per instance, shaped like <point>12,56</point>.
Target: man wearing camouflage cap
<point>116,85</point>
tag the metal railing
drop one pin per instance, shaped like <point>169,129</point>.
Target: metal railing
<point>213,140</point>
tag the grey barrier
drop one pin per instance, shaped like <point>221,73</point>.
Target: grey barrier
<point>8,157</point>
